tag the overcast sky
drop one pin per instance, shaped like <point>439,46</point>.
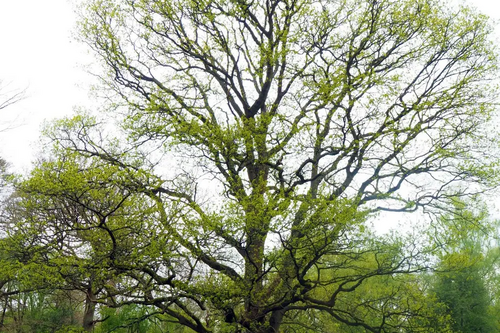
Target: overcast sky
<point>37,52</point>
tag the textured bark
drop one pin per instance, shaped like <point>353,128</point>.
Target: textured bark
<point>89,312</point>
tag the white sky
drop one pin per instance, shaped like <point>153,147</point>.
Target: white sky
<point>37,52</point>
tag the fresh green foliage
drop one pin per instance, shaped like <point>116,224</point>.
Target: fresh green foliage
<point>137,319</point>
<point>467,300</point>
<point>461,280</point>
<point>44,311</point>
<point>254,141</point>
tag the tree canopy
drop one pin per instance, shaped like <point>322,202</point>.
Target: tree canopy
<point>255,139</point>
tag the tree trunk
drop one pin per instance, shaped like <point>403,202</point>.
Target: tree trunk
<point>88,315</point>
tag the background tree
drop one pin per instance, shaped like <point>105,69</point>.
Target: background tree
<point>257,137</point>
<point>8,97</point>
<point>8,284</point>
<point>468,259</point>
<point>30,300</point>
<point>468,302</point>
<point>61,228</point>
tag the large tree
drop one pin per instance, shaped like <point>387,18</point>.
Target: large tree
<point>258,135</point>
